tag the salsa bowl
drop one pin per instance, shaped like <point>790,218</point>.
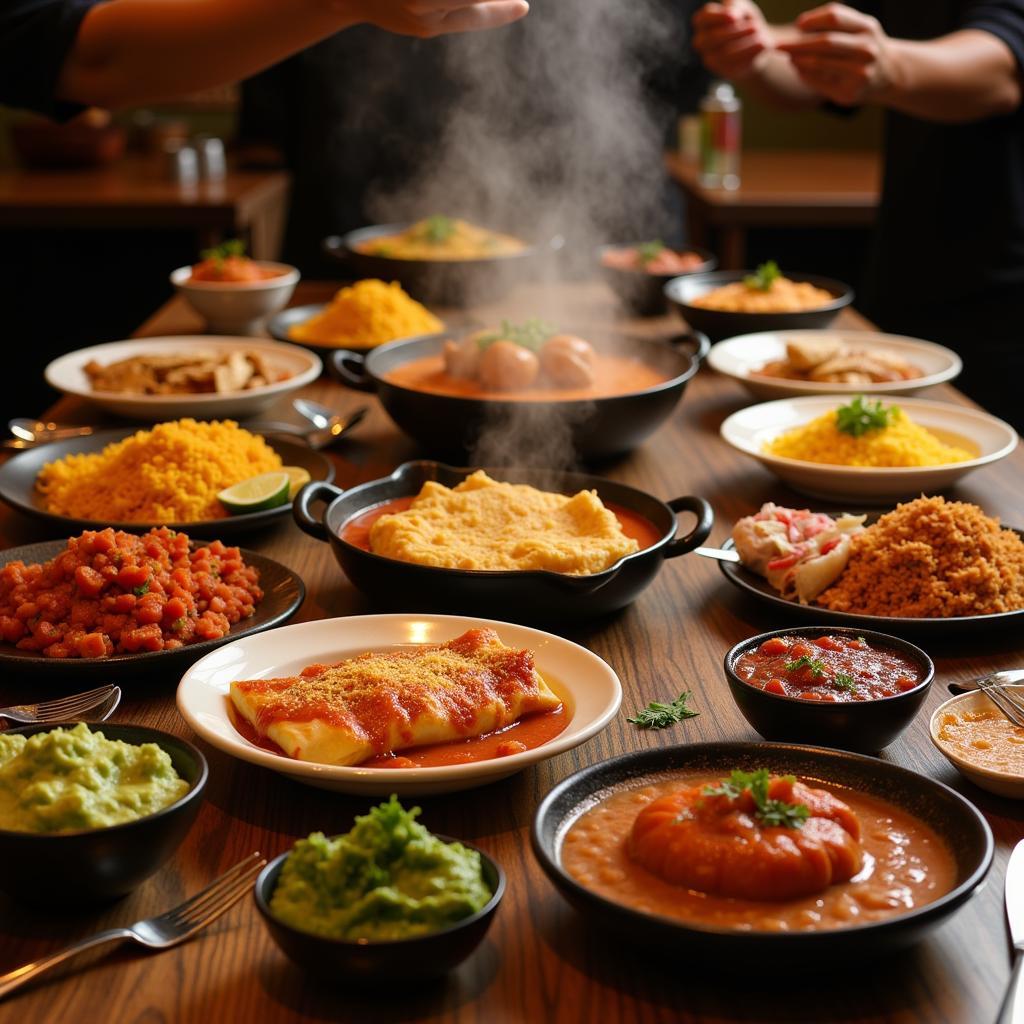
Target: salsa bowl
<point>642,292</point>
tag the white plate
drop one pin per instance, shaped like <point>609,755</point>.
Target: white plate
<point>750,429</point>
<point>742,356</point>
<point>587,684</point>
<point>67,374</point>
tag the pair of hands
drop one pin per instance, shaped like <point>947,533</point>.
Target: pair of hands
<point>836,51</point>
<point>428,18</point>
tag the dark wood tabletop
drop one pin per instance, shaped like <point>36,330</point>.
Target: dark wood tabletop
<point>540,961</point>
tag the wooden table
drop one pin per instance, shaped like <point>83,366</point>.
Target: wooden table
<point>136,193</point>
<point>540,962</point>
<point>787,189</point>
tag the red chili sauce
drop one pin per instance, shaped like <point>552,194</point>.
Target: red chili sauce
<point>827,668</point>
<point>357,530</point>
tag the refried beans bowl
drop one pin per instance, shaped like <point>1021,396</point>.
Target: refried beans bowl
<point>516,595</point>
<point>450,425</point>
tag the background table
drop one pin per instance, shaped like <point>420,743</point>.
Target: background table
<point>778,189</point>
<point>540,962</point>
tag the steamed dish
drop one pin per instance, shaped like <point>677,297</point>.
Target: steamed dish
<point>651,258</point>
<point>386,879</point>
<point>757,852</point>
<point>379,703</point>
<point>185,373</point>
<point>442,238</point>
<point>831,359</point>
<point>765,291</point>
<point>66,780</point>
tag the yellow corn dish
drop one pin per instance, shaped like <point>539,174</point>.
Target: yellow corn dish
<point>781,296</point>
<point>442,238</point>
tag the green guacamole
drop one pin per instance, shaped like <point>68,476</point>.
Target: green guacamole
<point>65,780</point>
<point>389,878</point>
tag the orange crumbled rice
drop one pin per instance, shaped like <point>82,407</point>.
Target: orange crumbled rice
<point>931,558</point>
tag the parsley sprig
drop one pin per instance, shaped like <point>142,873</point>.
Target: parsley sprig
<point>658,715</point>
<point>219,253</point>
<point>437,229</point>
<point>860,416</point>
<point>769,811</point>
<point>764,277</point>
<point>816,665</point>
<point>844,681</point>
<point>647,251</point>
<point>529,334</point>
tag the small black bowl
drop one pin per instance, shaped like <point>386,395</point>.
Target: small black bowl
<point>960,824</point>
<point>102,864</point>
<point>866,725</point>
<point>641,292</point>
<point>718,324</point>
<point>415,959</point>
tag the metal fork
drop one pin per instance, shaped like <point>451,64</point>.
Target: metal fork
<point>161,932</point>
<point>993,687</point>
<point>66,709</point>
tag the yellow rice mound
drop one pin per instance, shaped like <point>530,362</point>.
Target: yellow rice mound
<point>901,443</point>
<point>170,474</point>
<point>366,314</point>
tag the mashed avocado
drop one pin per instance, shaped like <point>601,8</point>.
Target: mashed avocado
<point>389,878</point>
<point>70,779</point>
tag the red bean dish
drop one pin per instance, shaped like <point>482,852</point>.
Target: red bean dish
<point>827,668</point>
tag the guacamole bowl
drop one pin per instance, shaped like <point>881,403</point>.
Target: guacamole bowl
<point>418,958</point>
<point>95,865</point>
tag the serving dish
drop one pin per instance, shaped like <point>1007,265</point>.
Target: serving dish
<point>450,426</point>
<point>748,430</point>
<point>642,292</point>
<point>956,820</point>
<point>441,282</point>
<point>18,486</point>
<point>67,374</point>
<point>586,684</point>
<point>1001,783</point>
<point>96,865</point>
<point>283,594</point>
<point>537,595</point>
<point>742,356</point>
<point>419,958</point>
<point>867,725</point>
<point>681,291</point>
<point>237,307</point>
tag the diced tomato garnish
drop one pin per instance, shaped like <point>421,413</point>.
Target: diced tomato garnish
<point>775,686</point>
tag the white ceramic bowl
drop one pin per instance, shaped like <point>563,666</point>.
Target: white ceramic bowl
<point>750,429</point>
<point>587,684</point>
<point>740,357</point>
<point>1002,783</point>
<point>240,307</point>
<point>67,374</point>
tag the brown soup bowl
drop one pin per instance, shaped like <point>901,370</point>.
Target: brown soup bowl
<point>515,595</point>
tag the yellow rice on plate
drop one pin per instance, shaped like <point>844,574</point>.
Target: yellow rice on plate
<point>170,474</point>
<point>366,314</point>
<point>901,443</point>
<point>782,296</point>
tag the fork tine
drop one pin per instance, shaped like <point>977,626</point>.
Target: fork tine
<point>1009,694</point>
<point>226,897</point>
<point>75,701</point>
<point>998,697</point>
<point>69,711</point>
<point>227,880</point>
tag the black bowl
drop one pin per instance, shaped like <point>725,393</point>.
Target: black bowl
<point>415,959</point>
<point>957,821</point>
<point>717,324</point>
<point>535,596</point>
<point>450,427</point>
<point>440,282</point>
<point>644,293</point>
<point>101,864</point>
<point>867,725</point>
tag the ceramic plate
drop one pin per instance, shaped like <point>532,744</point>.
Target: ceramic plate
<point>67,374</point>
<point>587,684</point>
<point>750,429</point>
<point>283,594</point>
<point>18,486</point>
<point>741,357</point>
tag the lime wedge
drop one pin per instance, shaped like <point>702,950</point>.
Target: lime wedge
<point>298,476</point>
<point>268,490</point>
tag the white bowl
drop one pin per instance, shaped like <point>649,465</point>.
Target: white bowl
<point>67,374</point>
<point>1002,783</point>
<point>587,684</point>
<point>237,307</point>
<point>750,429</point>
<point>740,357</point>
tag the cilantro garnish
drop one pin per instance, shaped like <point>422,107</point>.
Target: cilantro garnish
<point>770,812</point>
<point>658,715</point>
<point>816,665</point>
<point>647,251</point>
<point>142,588</point>
<point>860,416</point>
<point>844,681</point>
<point>764,277</point>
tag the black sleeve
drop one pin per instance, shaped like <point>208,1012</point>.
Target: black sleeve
<point>1004,19</point>
<point>35,38</point>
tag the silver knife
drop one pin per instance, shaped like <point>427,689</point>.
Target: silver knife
<point>1012,1010</point>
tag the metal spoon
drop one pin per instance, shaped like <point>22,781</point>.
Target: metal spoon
<point>36,431</point>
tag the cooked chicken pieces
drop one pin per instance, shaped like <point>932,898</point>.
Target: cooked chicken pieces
<point>186,373</point>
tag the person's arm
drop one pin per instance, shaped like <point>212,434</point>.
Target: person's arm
<point>140,51</point>
<point>845,56</point>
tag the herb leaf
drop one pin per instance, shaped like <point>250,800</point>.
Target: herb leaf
<point>142,588</point>
<point>844,681</point>
<point>764,277</point>
<point>816,665</point>
<point>437,229</point>
<point>530,334</point>
<point>769,811</point>
<point>860,416</point>
<point>219,253</point>
<point>647,251</point>
<point>659,716</point>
